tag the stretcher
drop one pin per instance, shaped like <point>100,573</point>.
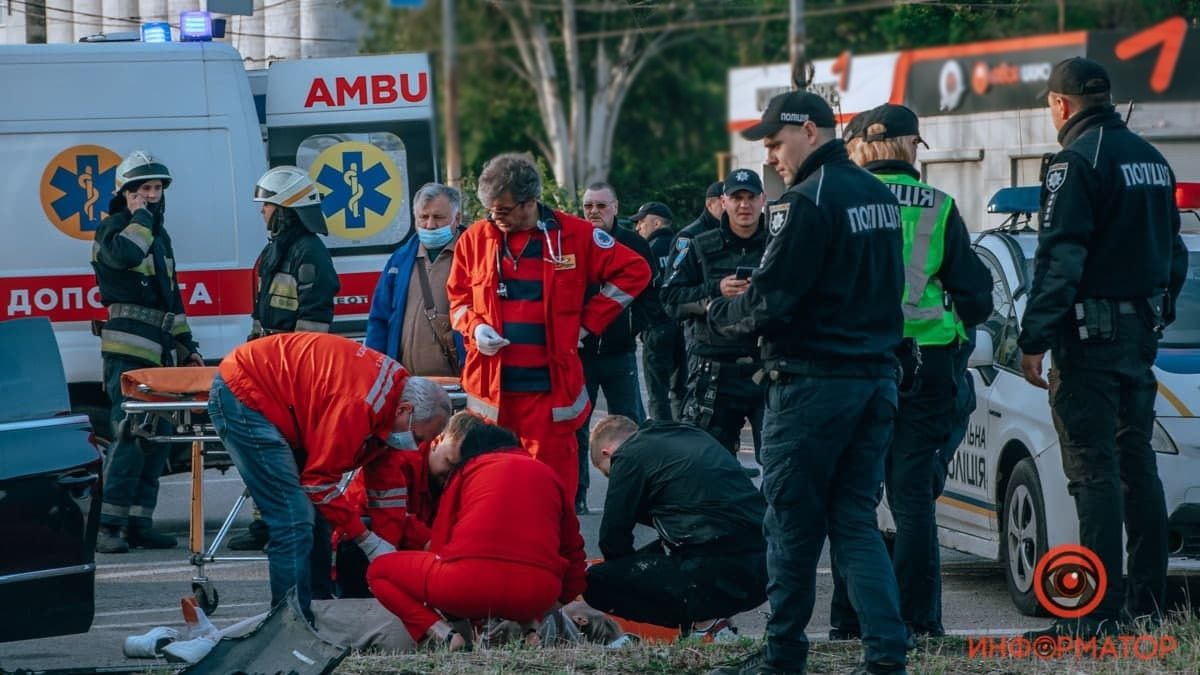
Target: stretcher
<point>178,398</point>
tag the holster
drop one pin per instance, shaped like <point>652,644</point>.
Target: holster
<point>1095,320</point>
<point>705,398</point>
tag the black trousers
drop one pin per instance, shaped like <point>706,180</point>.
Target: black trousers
<point>1102,399</point>
<point>735,399</point>
<point>681,588</point>
<point>664,361</point>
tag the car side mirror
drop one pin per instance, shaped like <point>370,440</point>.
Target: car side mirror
<point>983,354</point>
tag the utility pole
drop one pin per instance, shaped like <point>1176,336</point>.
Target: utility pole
<point>796,46</point>
<point>1062,16</point>
<point>450,77</point>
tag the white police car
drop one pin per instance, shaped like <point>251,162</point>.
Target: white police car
<point>1006,496</point>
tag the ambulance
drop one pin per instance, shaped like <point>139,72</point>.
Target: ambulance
<point>363,127</point>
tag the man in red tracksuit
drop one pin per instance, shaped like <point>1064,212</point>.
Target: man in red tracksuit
<point>506,541</point>
<point>298,410</point>
<point>516,289</point>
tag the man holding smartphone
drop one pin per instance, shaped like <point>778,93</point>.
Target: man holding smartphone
<point>722,395</point>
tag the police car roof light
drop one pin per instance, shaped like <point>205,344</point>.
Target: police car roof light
<point>156,31</point>
<point>1025,199</point>
<point>195,26</point>
<point>1187,196</point>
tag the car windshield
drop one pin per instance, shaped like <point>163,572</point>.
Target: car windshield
<point>1185,331</point>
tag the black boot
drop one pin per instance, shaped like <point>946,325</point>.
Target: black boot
<point>109,540</point>
<point>146,537</point>
<point>255,537</point>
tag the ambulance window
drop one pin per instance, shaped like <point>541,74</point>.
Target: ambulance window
<point>363,179</point>
<point>1002,324</point>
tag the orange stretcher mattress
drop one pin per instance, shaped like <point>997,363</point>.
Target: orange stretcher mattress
<point>168,384</point>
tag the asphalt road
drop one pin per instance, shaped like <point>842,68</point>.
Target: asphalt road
<point>142,589</point>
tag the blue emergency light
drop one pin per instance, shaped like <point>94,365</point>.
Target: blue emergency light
<point>1026,199</point>
<point>157,31</point>
<point>195,26</point>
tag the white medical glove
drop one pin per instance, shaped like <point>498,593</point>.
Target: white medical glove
<point>488,340</point>
<point>373,546</point>
<point>583,332</point>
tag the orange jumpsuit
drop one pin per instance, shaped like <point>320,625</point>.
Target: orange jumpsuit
<point>530,287</point>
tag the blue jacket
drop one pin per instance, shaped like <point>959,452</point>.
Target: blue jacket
<point>385,321</point>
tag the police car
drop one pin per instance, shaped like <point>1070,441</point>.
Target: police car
<point>1006,495</point>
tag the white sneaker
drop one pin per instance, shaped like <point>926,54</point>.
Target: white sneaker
<point>149,645</point>
<point>190,651</point>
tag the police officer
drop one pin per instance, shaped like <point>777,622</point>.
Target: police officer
<point>146,327</point>
<point>709,218</point>
<point>722,394</point>
<point>824,303</point>
<point>663,357</point>
<point>295,283</point>
<point>947,292</point>
<point>1109,266</point>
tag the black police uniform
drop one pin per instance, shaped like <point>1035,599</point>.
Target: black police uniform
<point>825,302</point>
<point>296,284</point>
<point>722,394</point>
<point>610,361</point>
<point>1109,265</point>
<point>709,559</point>
<point>664,359</point>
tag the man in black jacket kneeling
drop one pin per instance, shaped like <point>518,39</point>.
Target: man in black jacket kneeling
<point>709,561</point>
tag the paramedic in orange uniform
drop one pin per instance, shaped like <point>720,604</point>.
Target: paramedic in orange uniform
<point>516,293</point>
<point>506,541</point>
<point>298,410</point>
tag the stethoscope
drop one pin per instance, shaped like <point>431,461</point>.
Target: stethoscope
<point>553,256</point>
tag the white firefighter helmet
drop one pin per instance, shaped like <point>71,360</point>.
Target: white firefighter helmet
<point>290,186</point>
<point>139,166</point>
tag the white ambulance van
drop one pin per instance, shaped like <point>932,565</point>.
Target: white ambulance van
<point>362,127</point>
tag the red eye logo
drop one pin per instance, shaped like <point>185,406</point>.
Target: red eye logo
<point>1070,581</point>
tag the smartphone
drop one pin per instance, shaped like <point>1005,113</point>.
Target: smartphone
<point>744,273</point>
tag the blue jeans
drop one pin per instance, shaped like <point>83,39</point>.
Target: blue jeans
<point>617,376</point>
<point>268,467</point>
<point>133,465</point>
<point>824,441</point>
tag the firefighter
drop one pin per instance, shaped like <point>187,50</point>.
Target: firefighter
<point>824,303</point>
<point>948,292</point>
<point>298,410</point>
<point>1108,269</point>
<point>505,544</point>
<point>663,357</point>
<point>295,281</point>
<point>517,287</point>
<point>146,326</point>
<point>722,394</point>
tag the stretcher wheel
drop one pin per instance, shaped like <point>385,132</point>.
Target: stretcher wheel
<point>207,597</point>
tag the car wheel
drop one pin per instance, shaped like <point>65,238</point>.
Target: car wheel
<point>1023,540</point>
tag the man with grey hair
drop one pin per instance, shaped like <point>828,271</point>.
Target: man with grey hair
<point>296,411</point>
<point>517,292</point>
<point>409,318</point>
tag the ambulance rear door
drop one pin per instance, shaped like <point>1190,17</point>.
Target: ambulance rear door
<point>363,128</point>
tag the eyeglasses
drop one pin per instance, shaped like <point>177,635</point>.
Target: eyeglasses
<point>502,212</point>
<point>596,206</point>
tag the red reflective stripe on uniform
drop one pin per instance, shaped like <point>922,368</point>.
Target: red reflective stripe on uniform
<point>228,292</point>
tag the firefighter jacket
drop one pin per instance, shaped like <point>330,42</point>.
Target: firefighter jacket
<point>135,270</point>
<point>710,257</point>
<point>334,402</point>
<point>836,245</point>
<point>295,284</point>
<point>512,493</point>
<point>1108,228</point>
<point>401,511</point>
<point>576,255</point>
<point>946,287</point>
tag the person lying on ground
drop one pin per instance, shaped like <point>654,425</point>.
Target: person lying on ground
<point>572,624</point>
<point>505,539</point>
<point>709,561</point>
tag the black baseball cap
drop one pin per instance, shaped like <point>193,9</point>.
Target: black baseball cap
<point>1078,76</point>
<point>854,128</point>
<point>794,107</point>
<point>896,121</point>
<point>715,190</point>
<point>652,209</point>
<point>743,179</point>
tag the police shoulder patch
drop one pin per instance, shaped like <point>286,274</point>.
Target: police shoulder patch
<point>1056,175</point>
<point>681,244</point>
<point>777,215</point>
<point>602,238</point>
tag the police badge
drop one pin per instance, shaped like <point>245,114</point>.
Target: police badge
<point>1056,175</point>
<point>777,215</point>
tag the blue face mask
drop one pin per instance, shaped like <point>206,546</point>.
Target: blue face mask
<point>402,440</point>
<point>436,238</point>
